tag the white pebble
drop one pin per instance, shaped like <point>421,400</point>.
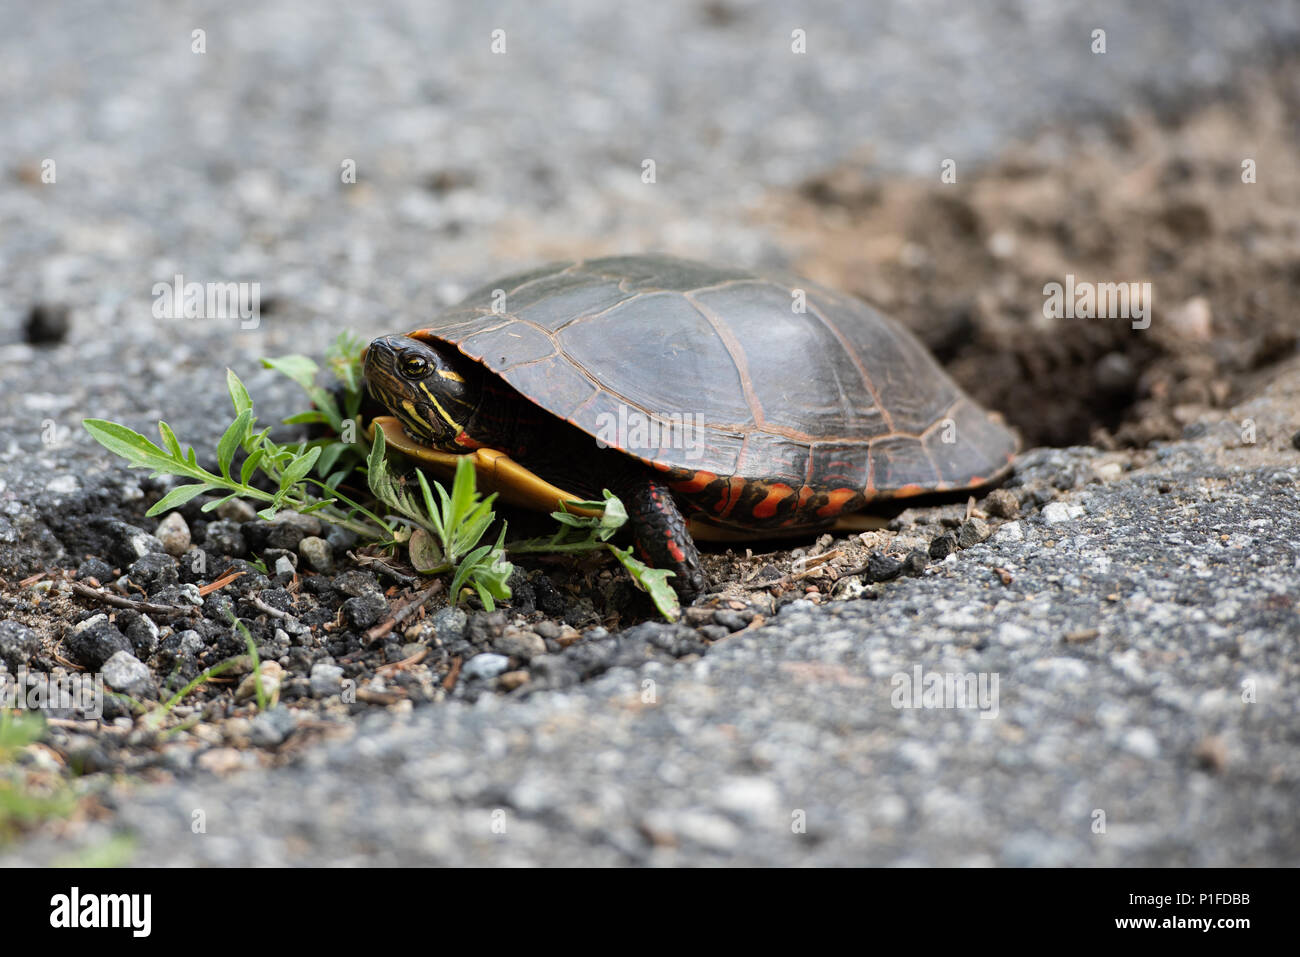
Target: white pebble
<point>1056,512</point>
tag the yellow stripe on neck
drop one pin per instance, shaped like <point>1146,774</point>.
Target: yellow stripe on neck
<point>441,411</point>
<point>414,420</point>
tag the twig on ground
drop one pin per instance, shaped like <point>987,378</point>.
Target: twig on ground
<point>399,577</point>
<point>144,607</point>
<point>222,582</point>
<point>814,568</point>
<point>406,611</point>
<point>263,606</point>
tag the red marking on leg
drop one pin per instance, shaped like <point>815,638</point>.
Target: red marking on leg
<point>675,550</point>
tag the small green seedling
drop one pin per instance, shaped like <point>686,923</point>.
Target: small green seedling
<point>584,533</point>
<point>442,531</point>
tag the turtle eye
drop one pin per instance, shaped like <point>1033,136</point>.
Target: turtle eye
<point>415,367</point>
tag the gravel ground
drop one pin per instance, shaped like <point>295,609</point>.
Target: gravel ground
<point>1143,650</point>
<point>1141,627</point>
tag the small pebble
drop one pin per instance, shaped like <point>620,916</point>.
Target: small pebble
<point>484,666</point>
<point>449,624</point>
<point>514,679</point>
<point>95,568</point>
<point>272,726</point>
<point>915,562</point>
<point>326,680</point>
<point>317,553</point>
<point>1057,512</point>
<point>124,672</point>
<point>972,532</point>
<point>364,610</point>
<point>941,546</point>
<point>236,510</point>
<point>47,324</point>
<point>1212,754</point>
<point>17,644</point>
<point>1001,503</point>
<point>271,675</point>
<point>93,642</point>
<point>225,538</point>
<point>882,568</point>
<point>1010,532</point>
<point>1143,743</point>
<point>729,619</point>
<point>174,534</point>
<point>518,643</point>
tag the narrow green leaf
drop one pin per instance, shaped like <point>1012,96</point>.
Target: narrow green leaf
<point>317,506</point>
<point>427,493</point>
<point>169,440</point>
<point>310,417</point>
<point>298,368</point>
<point>257,441</point>
<point>329,455</point>
<point>250,465</point>
<point>177,496</point>
<point>232,439</point>
<point>130,445</point>
<point>239,396</point>
<point>651,580</point>
<point>216,504</point>
<point>298,468</point>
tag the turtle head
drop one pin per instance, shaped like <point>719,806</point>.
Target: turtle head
<point>429,386</point>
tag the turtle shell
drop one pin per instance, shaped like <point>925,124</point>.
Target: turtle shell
<point>722,374</point>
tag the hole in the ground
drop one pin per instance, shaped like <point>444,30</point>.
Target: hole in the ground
<point>1162,199</point>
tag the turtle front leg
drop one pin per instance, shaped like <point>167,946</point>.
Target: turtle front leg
<point>661,537</point>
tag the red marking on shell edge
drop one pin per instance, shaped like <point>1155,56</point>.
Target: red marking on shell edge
<point>776,494</point>
<point>735,486</point>
<point>835,500</point>
<point>698,482</point>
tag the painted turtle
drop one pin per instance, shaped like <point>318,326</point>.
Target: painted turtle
<point>744,401</point>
